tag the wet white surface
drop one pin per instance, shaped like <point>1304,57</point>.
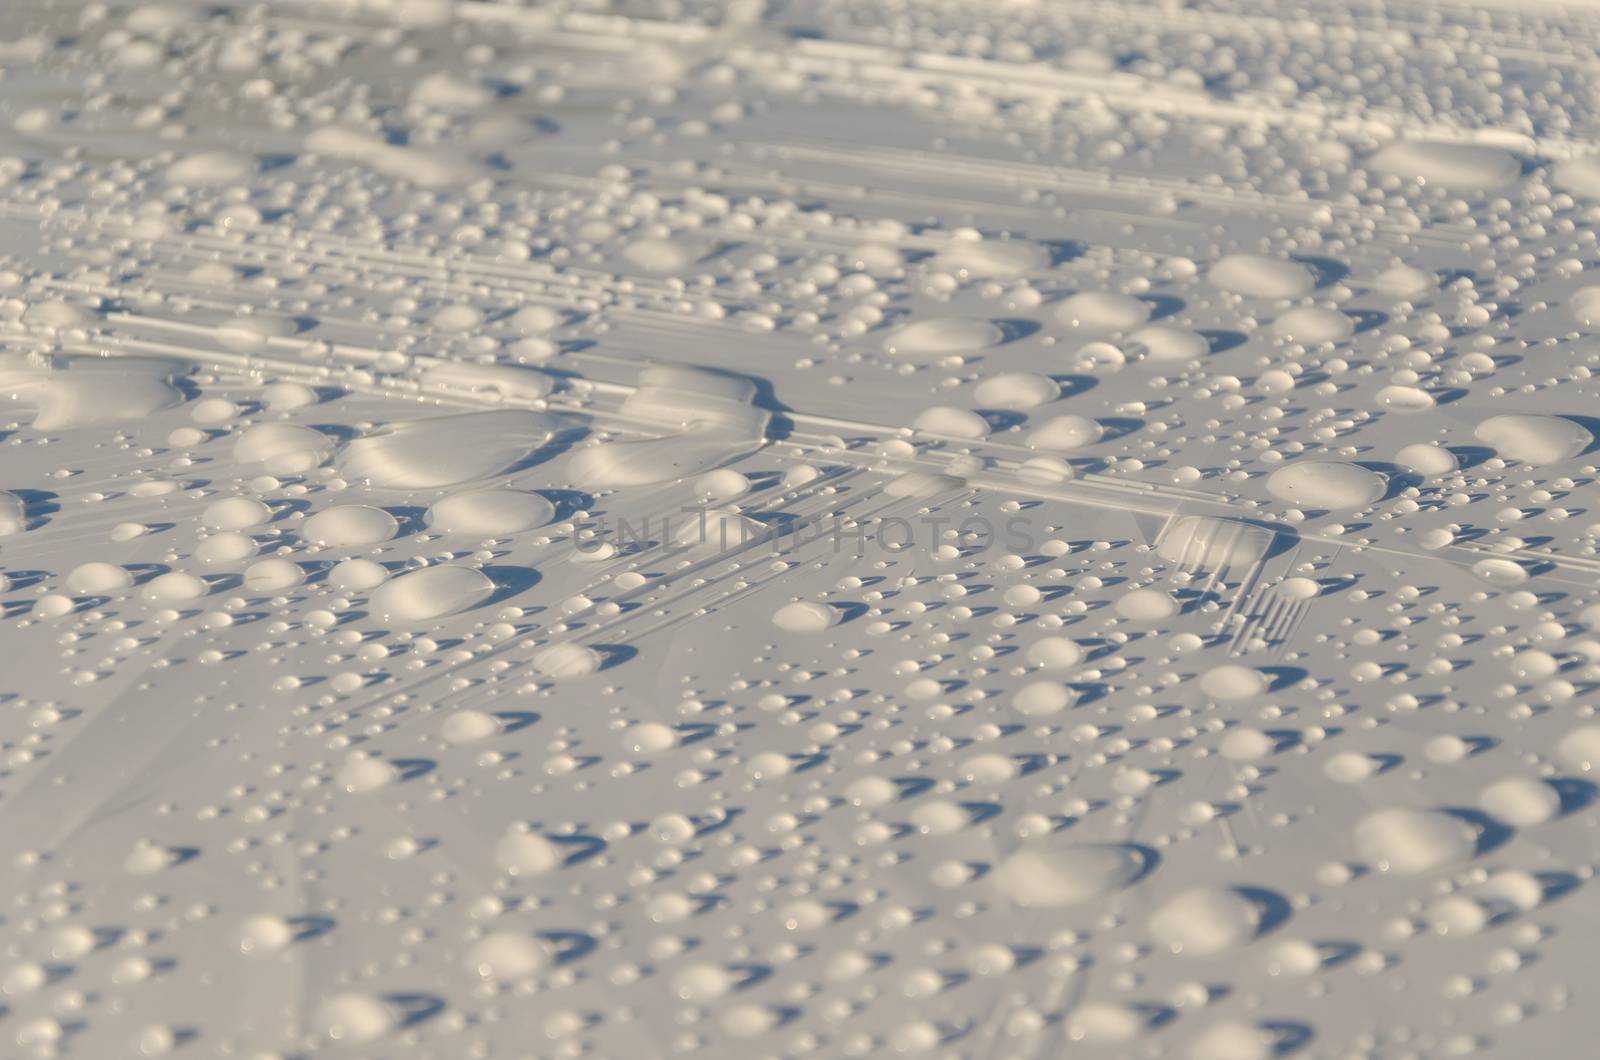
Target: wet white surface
<point>798,529</point>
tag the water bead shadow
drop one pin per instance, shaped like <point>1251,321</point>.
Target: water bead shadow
<point>509,581</point>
